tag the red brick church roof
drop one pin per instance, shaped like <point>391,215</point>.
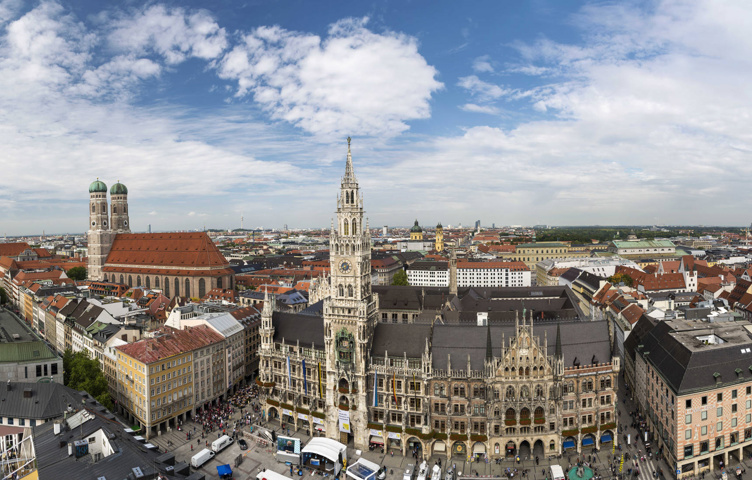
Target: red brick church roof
<point>174,251</point>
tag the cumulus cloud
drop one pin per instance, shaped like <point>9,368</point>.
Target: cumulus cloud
<point>173,33</point>
<point>353,81</point>
<point>640,121</point>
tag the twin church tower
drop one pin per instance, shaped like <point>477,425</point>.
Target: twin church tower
<point>105,223</point>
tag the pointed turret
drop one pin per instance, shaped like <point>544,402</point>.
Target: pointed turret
<point>349,170</point>
<point>557,353</point>
<point>489,345</point>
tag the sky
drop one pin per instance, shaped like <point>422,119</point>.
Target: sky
<point>539,112</point>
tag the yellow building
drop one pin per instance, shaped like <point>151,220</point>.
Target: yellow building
<point>416,233</point>
<point>155,377</point>
<point>532,253</point>
<point>439,238</point>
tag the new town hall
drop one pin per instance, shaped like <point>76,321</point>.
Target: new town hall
<point>478,371</point>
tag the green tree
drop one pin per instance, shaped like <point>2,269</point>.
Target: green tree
<point>77,273</point>
<point>84,373</point>
<point>400,278</point>
<point>3,296</point>
<point>618,278</point>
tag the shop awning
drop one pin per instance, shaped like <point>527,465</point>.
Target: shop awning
<point>587,441</point>
<point>568,444</point>
<point>377,440</point>
<point>605,438</point>
<point>439,446</point>
<point>479,448</point>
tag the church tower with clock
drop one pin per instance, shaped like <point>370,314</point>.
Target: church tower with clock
<point>349,315</point>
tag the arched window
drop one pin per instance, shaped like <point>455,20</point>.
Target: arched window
<point>355,227</point>
<point>336,249</point>
<point>347,228</point>
<point>347,197</point>
<point>156,282</point>
<point>347,249</point>
<point>138,281</point>
<point>105,277</point>
<point>539,412</point>
<point>187,291</point>
<point>104,208</point>
<point>130,281</point>
<point>148,282</point>
<point>93,209</point>
<point>167,287</point>
<point>521,371</point>
<point>219,282</point>
<point>349,290</point>
<point>121,279</point>
<point>352,196</point>
<point>510,393</point>
<point>524,392</point>
<point>114,209</point>
<point>341,291</point>
<point>527,371</point>
<point>201,288</point>
<point>177,287</point>
<point>510,414</point>
<point>524,413</point>
<point>539,392</point>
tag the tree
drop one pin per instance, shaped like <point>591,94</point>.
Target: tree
<point>400,278</point>
<point>618,278</point>
<point>83,373</point>
<point>77,273</point>
<point>3,296</point>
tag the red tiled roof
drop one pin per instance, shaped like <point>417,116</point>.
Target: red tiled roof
<point>632,313</point>
<point>42,253</point>
<point>168,271</point>
<point>13,249</point>
<point>48,275</point>
<point>244,312</point>
<point>171,342</point>
<point>7,263</point>
<point>171,250</point>
<point>226,294</point>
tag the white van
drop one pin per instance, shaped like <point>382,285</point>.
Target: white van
<point>557,473</point>
<point>270,475</point>
<point>222,442</point>
<point>409,472</point>
<point>201,458</point>
<point>436,472</point>
<point>423,471</point>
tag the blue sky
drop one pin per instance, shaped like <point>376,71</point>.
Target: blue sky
<point>510,112</point>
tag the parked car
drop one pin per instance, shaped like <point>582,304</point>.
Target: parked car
<point>242,444</point>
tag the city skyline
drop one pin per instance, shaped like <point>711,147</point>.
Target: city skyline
<point>522,114</point>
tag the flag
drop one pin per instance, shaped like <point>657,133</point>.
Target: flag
<point>289,373</point>
<point>320,395</point>
<point>394,388</point>
<point>305,382</point>
<point>375,389</point>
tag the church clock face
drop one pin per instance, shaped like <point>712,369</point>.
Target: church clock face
<point>344,266</point>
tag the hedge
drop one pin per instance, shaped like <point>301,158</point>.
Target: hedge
<point>394,428</point>
<point>287,406</point>
<point>592,429</point>
<point>569,433</point>
<point>413,431</point>
<point>375,426</point>
<point>608,426</point>
<point>317,414</point>
<point>478,438</point>
<point>458,436</point>
<point>440,436</point>
<point>272,402</point>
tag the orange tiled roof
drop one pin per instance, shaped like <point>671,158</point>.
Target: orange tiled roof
<point>171,342</point>
<point>185,250</point>
<point>13,249</point>
<point>7,263</point>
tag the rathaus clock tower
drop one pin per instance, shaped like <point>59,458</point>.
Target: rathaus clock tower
<point>349,316</point>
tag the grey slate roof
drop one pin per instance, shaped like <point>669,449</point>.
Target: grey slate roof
<point>47,400</point>
<point>583,341</point>
<point>294,327</point>
<point>54,463</point>
<point>689,365</point>
<point>396,339</point>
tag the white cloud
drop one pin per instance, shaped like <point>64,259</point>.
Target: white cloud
<point>484,91</point>
<point>353,81</point>
<point>172,33</point>
<point>471,107</point>
<point>483,64</point>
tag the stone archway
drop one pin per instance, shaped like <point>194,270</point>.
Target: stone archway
<point>524,450</point>
<point>538,449</point>
<point>414,446</point>
<point>607,437</point>
<point>272,413</point>
<point>479,449</point>
<point>588,441</point>
<point>439,447</point>
<point>510,449</point>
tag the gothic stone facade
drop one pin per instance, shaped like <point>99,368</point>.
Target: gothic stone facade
<point>450,389</point>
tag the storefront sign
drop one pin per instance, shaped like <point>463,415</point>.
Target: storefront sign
<point>395,435</point>
<point>287,412</point>
<point>376,433</point>
<point>303,416</point>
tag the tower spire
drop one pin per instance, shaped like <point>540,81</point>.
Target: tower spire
<point>557,353</point>
<point>489,345</point>
<point>349,170</point>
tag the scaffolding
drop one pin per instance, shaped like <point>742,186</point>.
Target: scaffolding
<point>17,459</point>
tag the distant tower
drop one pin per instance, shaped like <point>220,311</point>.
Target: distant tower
<point>439,238</point>
<point>416,233</point>
<point>453,272</point>
<point>241,220</point>
<point>385,231</point>
<point>150,228</point>
<point>99,235</point>
<point>119,197</point>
